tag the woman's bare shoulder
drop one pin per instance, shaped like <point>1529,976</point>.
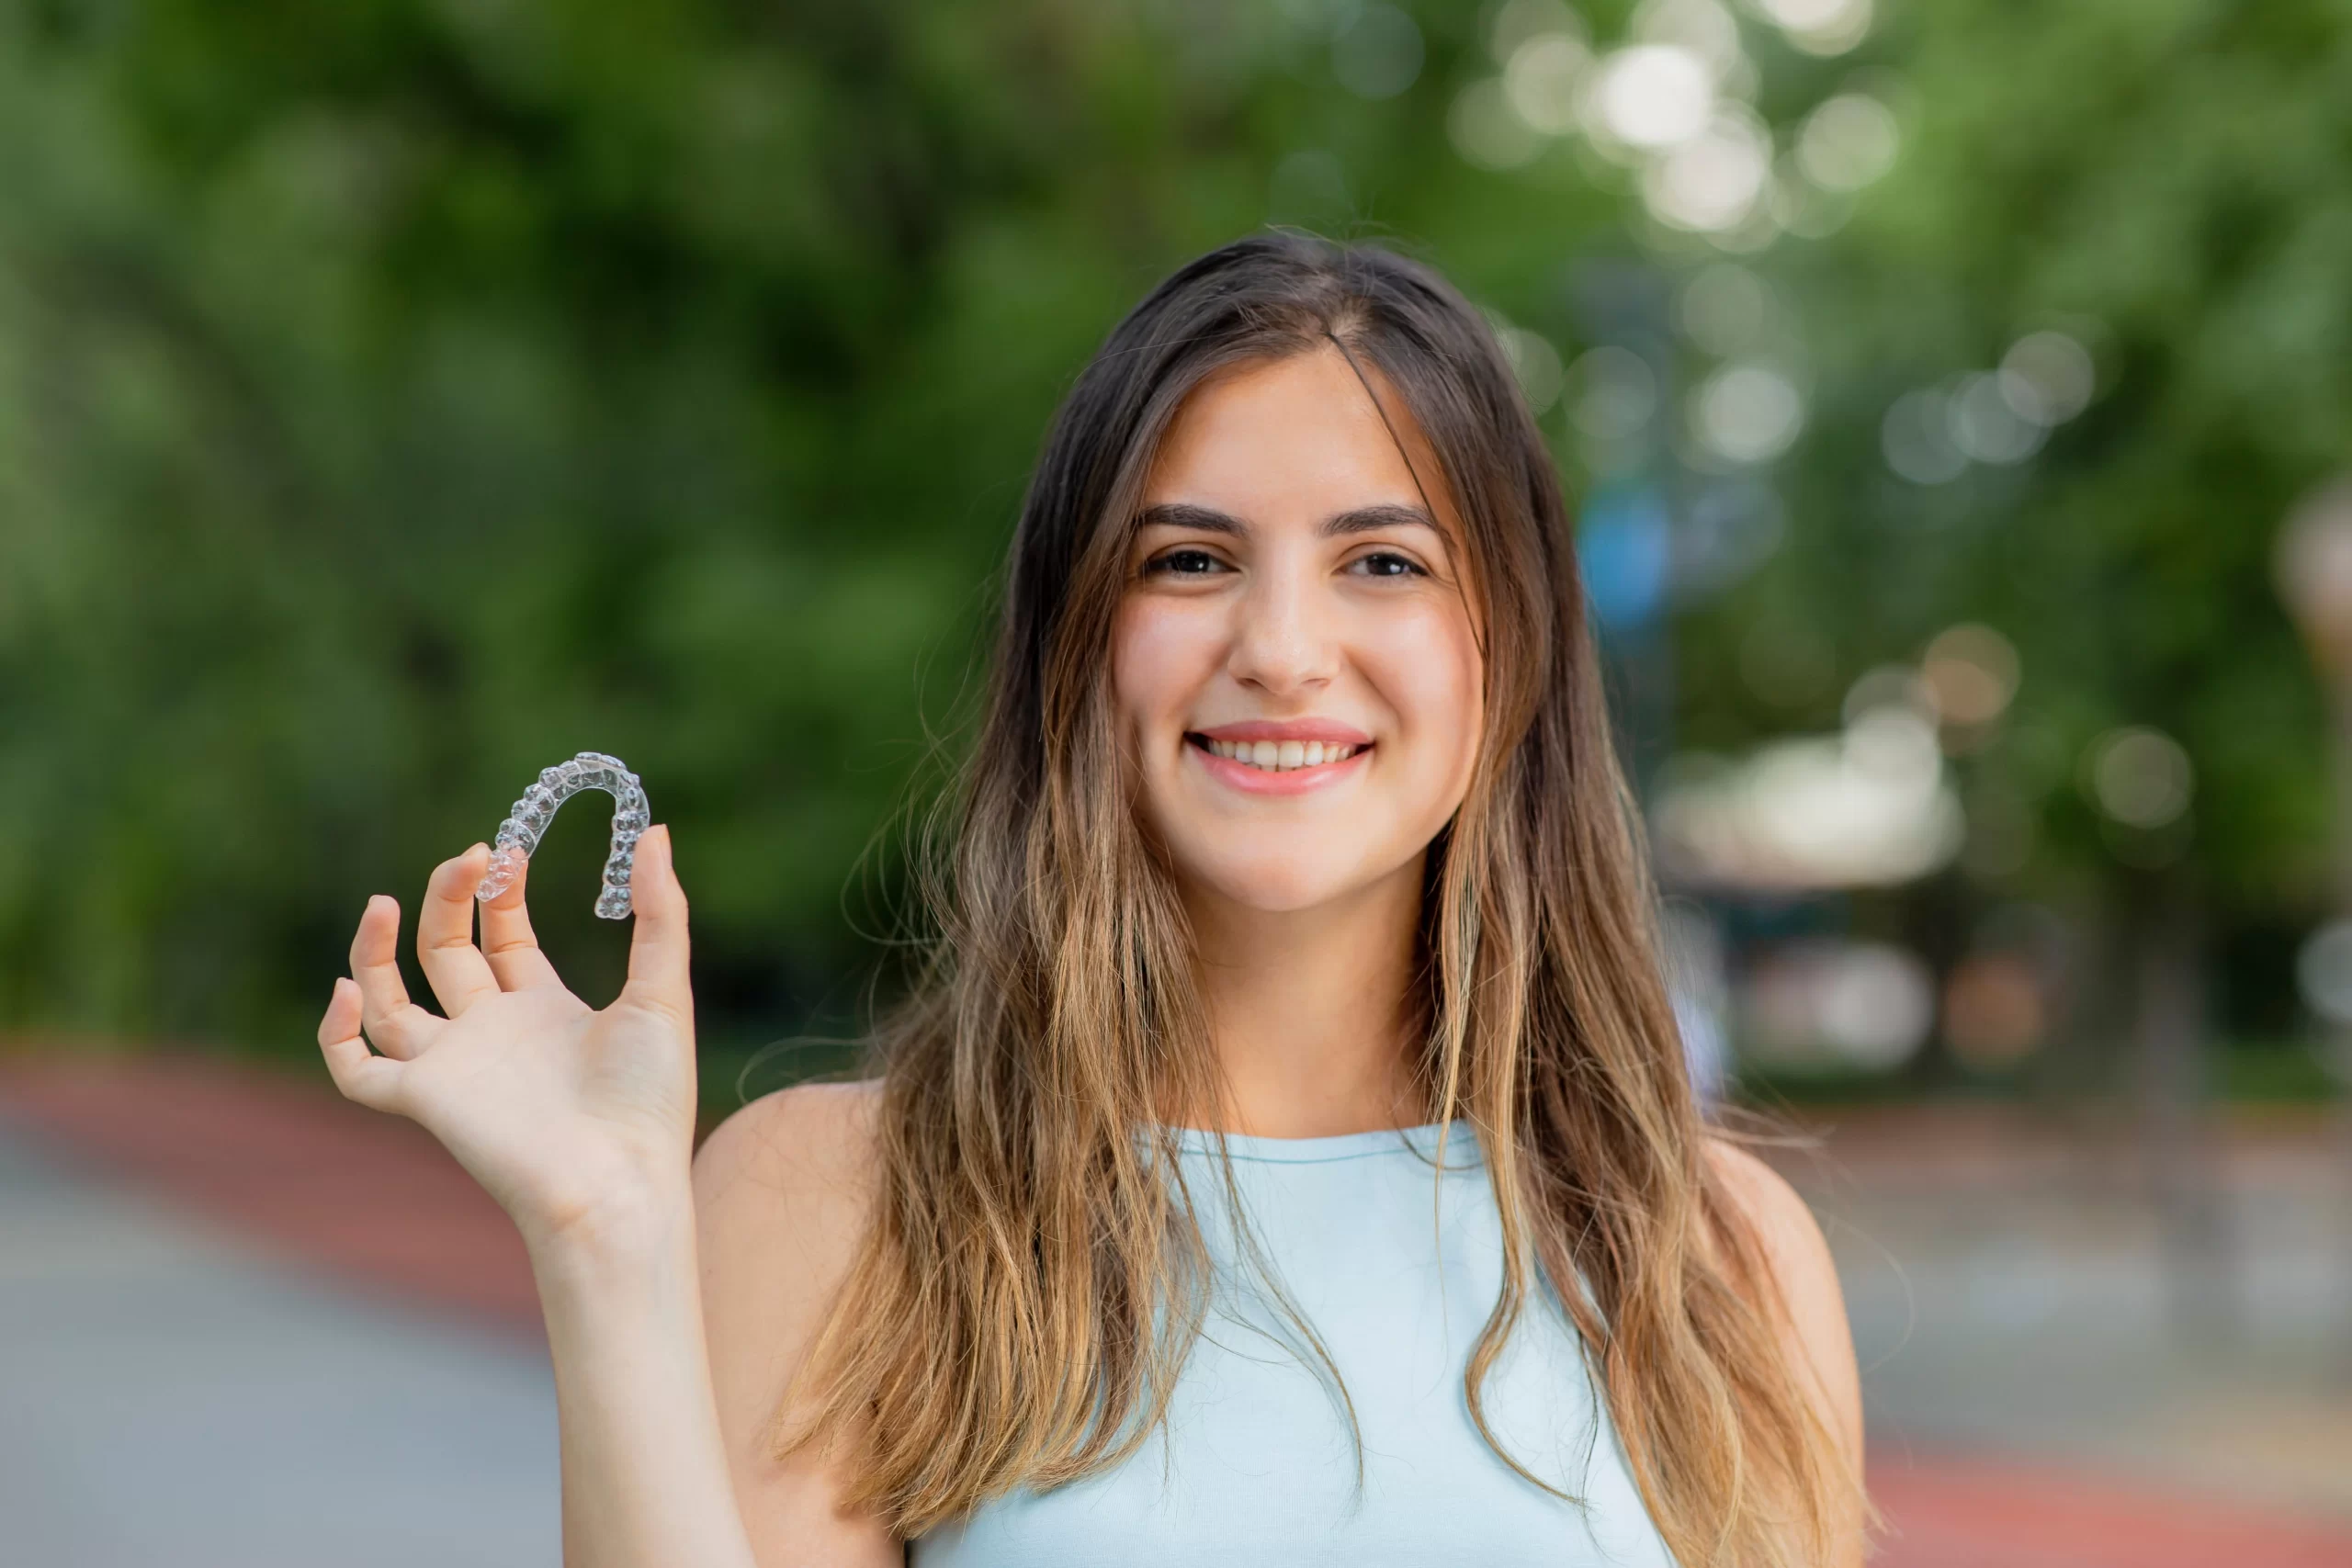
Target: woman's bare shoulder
<point>812,1143</point>
<point>783,1189</point>
<point>1804,1274</point>
<point>1767,1201</point>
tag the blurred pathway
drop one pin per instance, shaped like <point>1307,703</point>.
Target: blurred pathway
<point>243,1322</point>
<point>2043,1367</point>
<point>174,1390</point>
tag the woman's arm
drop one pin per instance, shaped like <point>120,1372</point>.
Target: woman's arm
<point>580,1122</point>
<point>645,1471</point>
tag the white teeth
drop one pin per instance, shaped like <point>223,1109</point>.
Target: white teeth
<point>1284,755</point>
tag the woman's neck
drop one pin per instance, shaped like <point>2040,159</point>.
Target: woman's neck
<point>1308,1010</point>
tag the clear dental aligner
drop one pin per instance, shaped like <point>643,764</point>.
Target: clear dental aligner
<point>519,835</point>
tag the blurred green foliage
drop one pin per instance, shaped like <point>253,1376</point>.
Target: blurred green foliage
<point>2173,182</point>
<point>399,395</point>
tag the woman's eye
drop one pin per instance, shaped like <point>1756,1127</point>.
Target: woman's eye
<point>1183,563</point>
<point>1388,563</point>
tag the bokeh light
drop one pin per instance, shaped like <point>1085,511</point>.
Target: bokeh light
<point>2323,972</point>
<point>1896,686</point>
<point>1824,1003</point>
<point>1985,424</point>
<point>1713,181</point>
<point>1517,22</point>
<point>1543,78</point>
<point>1820,26</point>
<point>1748,413</point>
<point>1993,1013</point>
<point>2047,378</point>
<point>1866,808</point>
<point>1652,97</point>
<point>1972,672</point>
<point>2313,563</point>
<point>1916,439</point>
<point>1706,30</point>
<point>1534,361</point>
<point>1930,436</point>
<point>1848,142</point>
<point>2138,776</point>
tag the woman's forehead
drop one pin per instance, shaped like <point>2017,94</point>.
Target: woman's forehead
<point>1296,436</point>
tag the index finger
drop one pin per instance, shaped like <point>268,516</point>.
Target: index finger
<point>508,941</point>
<point>445,933</point>
<point>399,1027</point>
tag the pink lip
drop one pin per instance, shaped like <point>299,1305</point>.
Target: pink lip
<point>1299,729</point>
<point>1265,781</point>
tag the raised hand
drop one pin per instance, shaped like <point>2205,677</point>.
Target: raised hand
<point>564,1113</point>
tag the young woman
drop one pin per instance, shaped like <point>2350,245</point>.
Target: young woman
<point>1288,1155</point>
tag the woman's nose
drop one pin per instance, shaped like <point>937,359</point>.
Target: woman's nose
<point>1286,638</point>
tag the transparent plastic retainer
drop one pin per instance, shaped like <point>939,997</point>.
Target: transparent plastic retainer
<point>519,835</point>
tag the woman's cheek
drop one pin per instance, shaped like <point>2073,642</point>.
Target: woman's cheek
<point>1430,672</point>
<point>1158,658</point>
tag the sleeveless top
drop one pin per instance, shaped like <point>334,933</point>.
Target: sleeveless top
<point>1395,1267</point>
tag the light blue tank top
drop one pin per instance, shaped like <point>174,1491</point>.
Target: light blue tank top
<point>1396,1267</point>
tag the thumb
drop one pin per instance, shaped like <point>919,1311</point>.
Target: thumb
<point>658,967</point>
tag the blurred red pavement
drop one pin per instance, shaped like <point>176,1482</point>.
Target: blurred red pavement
<point>374,1202</point>
<point>372,1198</point>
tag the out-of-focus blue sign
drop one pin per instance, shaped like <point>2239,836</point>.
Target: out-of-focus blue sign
<point>1624,547</point>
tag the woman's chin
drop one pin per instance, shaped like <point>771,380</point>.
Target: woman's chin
<point>1275,889</point>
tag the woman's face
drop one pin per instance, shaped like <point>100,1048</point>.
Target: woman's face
<point>1296,664</point>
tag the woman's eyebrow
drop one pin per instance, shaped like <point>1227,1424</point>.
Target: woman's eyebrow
<point>1361,520</point>
<point>1369,519</point>
<point>1195,519</point>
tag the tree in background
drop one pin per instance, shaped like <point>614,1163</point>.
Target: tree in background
<point>399,396</point>
<point>395,397</point>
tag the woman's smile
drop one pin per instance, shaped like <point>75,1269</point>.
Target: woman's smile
<point>1271,766</point>
<point>1279,756</point>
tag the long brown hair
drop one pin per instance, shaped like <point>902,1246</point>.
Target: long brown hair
<point>1033,1279</point>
